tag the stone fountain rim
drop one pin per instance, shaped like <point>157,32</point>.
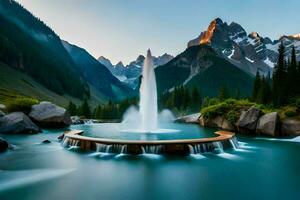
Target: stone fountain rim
<point>76,135</point>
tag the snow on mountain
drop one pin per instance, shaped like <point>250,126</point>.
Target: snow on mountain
<point>130,73</point>
<point>252,61</point>
<point>249,52</point>
<point>296,36</point>
<point>270,63</point>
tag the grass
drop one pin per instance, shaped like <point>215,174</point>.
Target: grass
<point>21,104</point>
<point>231,109</point>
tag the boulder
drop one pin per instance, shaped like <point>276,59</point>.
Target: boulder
<point>17,122</point>
<point>60,137</point>
<point>248,120</point>
<point>227,125</point>
<point>46,142</point>
<point>3,145</point>
<point>76,120</point>
<point>193,118</point>
<point>50,115</point>
<point>290,127</point>
<point>217,122</point>
<point>1,113</point>
<point>268,124</point>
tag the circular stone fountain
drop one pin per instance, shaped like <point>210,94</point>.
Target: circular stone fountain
<point>142,131</point>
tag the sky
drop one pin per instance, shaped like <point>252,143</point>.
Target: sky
<point>123,29</point>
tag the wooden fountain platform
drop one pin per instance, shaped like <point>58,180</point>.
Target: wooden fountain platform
<point>184,146</point>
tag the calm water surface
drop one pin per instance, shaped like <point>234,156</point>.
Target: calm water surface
<point>260,169</point>
<point>166,131</point>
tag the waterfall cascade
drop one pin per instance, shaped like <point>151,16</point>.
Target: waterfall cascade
<point>196,148</point>
<point>215,146</point>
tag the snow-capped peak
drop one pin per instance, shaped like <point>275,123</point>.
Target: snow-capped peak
<point>254,34</point>
<point>297,36</point>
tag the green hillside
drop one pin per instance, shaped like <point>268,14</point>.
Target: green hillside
<point>31,47</point>
<point>14,83</point>
<point>96,74</point>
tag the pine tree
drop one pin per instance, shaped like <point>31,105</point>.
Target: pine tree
<point>72,108</point>
<point>237,93</point>
<point>196,98</point>
<point>98,112</point>
<point>84,109</point>
<point>298,79</point>
<point>184,98</point>
<point>223,93</point>
<point>291,86</point>
<point>279,79</point>
<point>256,86</point>
<point>264,93</point>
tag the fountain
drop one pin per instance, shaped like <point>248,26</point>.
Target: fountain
<point>146,131</point>
<point>147,116</point>
<point>148,96</point>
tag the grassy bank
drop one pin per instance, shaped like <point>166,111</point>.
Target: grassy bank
<point>231,109</point>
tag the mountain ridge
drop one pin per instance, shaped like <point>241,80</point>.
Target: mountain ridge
<point>130,73</point>
<point>200,66</point>
<point>250,52</point>
<point>97,74</point>
<point>27,44</point>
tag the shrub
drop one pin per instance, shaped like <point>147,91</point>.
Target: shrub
<point>297,104</point>
<point>290,113</point>
<point>215,110</point>
<point>233,116</point>
<point>21,104</point>
<point>210,102</point>
<point>230,109</point>
<point>287,111</point>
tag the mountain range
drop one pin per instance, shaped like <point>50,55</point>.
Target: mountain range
<point>96,74</point>
<point>233,50</point>
<point>250,52</point>
<point>200,66</point>
<point>130,73</point>
<point>36,62</point>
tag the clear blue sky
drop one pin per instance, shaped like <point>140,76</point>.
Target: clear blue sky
<point>123,29</point>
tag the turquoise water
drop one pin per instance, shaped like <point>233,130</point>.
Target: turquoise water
<point>166,131</point>
<point>260,169</point>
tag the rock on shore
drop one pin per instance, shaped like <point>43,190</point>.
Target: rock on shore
<point>17,122</point>
<point>76,120</point>
<point>217,122</point>
<point>268,124</point>
<point>290,127</point>
<point>248,120</point>
<point>193,118</point>
<point>47,114</point>
<point>3,145</point>
<point>1,113</point>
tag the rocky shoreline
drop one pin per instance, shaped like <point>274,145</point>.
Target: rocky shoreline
<point>42,115</point>
<point>47,115</point>
<point>251,121</point>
